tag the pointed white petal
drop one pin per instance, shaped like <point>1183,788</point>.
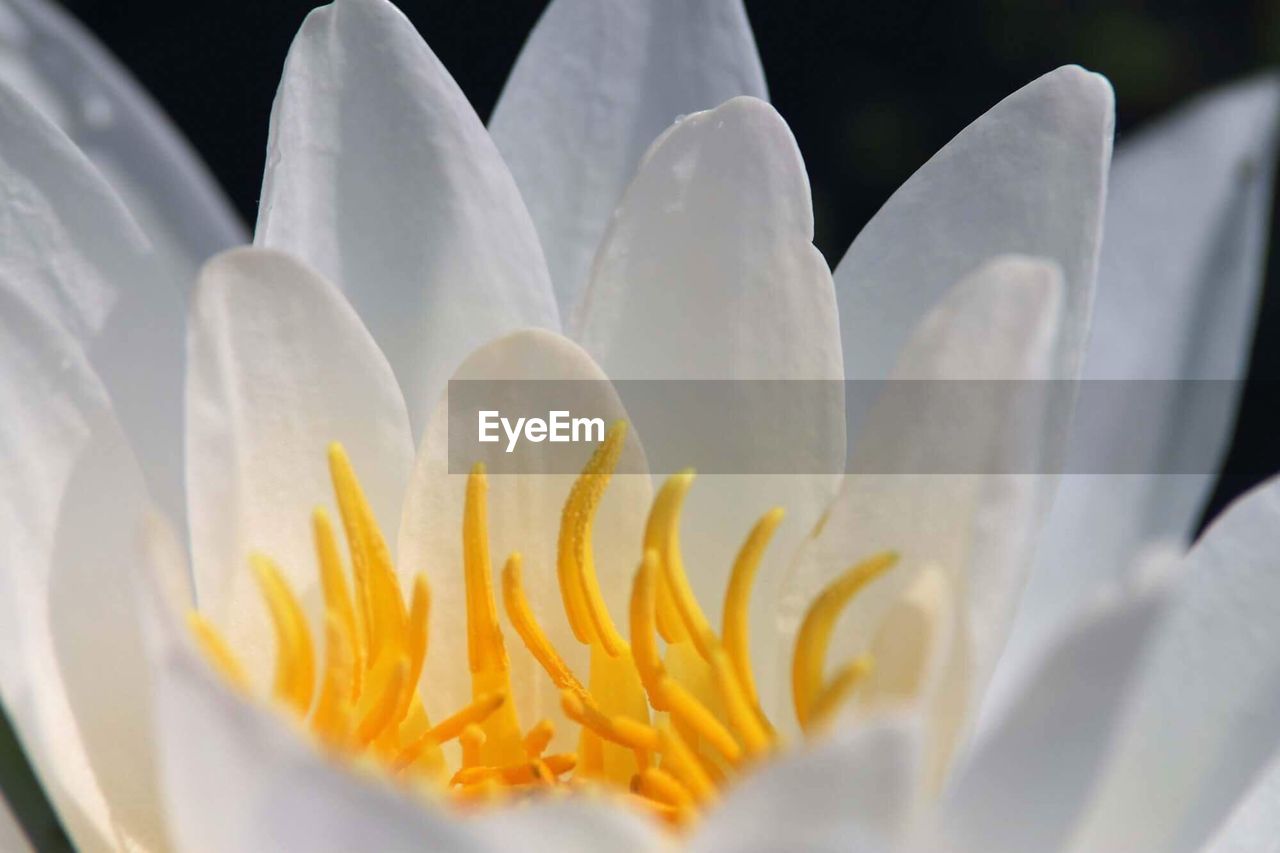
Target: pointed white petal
<point>1028,780</point>
<point>595,84</point>
<point>381,177</point>
<point>72,675</point>
<point>55,63</point>
<point>70,247</point>
<point>1205,719</point>
<point>1178,284</point>
<point>1029,176</point>
<point>524,516</point>
<point>854,792</point>
<point>709,272</point>
<point>976,526</point>
<point>577,825</point>
<point>280,367</point>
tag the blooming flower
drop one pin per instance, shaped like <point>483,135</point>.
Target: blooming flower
<point>399,244</point>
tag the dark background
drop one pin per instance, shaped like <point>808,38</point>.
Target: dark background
<point>871,90</point>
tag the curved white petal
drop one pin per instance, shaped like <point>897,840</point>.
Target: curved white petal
<point>279,368</point>
<point>69,247</point>
<point>12,837</point>
<point>854,792</point>
<point>575,825</point>
<point>1254,823</point>
<point>381,177</point>
<point>238,777</point>
<point>1178,284</point>
<point>57,65</point>
<point>593,86</point>
<point>1029,176</point>
<point>709,271</point>
<point>1028,780</point>
<point>72,675</point>
<point>975,523</point>
<point>524,516</point>
<point>1205,719</point>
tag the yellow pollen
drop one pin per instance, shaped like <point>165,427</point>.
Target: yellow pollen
<point>669,712</point>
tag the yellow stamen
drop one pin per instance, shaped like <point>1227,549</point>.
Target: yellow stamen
<point>486,651</point>
<point>538,738</point>
<point>658,784</point>
<point>583,602</point>
<point>336,598</point>
<point>815,632</point>
<point>736,630</point>
<point>472,715</point>
<point>329,721</point>
<point>217,651</point>
<point>743,718</point>
<point>837,691</point>
<point>295,661</point>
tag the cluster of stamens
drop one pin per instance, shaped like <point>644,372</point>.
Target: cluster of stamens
<point>666,728</point>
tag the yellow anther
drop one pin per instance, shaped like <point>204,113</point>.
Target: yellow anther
<point>742,716</point>
<point>684,765</point>
<point>526,624</point>
<point>658,535</point>
<point>619,730</point>
<point>347,490</point>
<point>454,726</point>
<point>415,639</point>
<point>329,721</point>
<point>575,564</point>
<point>815,632</point>
<point>666,519</point>
<point>685,708</point>
<point>837,691</point>
<point>644,643</point>
<point>538,738</point>
<point>485,649</point>
<point>295,657</point>
<point>217,651</point>
<point>337,600</point>
<point>472,740</point>
<point>380,713</point>
<point>658,784</point>
<point>737,599</point>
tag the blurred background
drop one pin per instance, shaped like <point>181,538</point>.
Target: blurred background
<point>871,90</point>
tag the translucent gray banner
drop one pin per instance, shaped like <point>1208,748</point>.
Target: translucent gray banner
<point>825,427</point>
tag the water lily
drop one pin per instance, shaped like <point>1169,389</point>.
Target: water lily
<point>368,651</point>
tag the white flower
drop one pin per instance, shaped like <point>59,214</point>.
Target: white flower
<point>1140,727</point>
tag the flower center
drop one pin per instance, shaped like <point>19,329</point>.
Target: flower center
<point>665,728</point>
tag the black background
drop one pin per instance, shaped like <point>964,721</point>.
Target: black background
<point>871,90</point>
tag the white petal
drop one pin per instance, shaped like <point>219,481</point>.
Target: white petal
<point>239,777</point>
<point>976,526</point>
<point>524,516</point>
<point>1029,176</point>
<point>280,367</point>
<point>72,674</point>
<point>854,792</point>
<point>1027,782</point>
<point>576,825</point>
<point>1178,285</point>
<point>709,272</point>
<point>595,84</point>
<point>380,175</point>
<point>12,837</point>
<point>71,249</point>
<point>56,64</point>
<point>1206,715</point>
<point>1254,823</point>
